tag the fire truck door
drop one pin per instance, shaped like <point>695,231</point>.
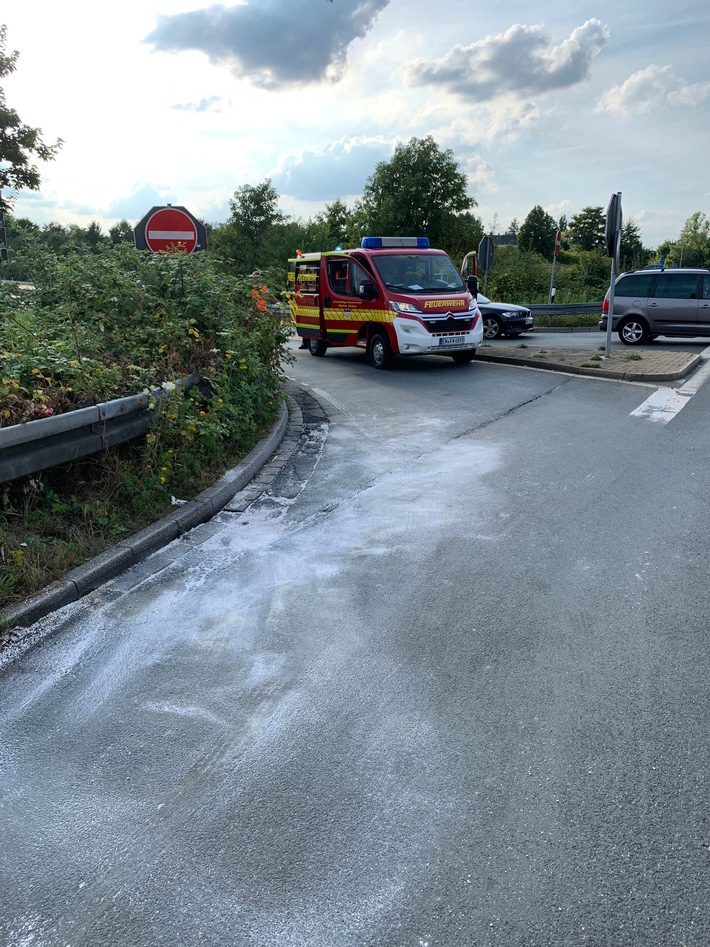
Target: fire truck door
<point>342,307</point>
<point>309,308</point>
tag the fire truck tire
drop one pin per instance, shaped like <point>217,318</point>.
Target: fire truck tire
<point>380,351</point>
<point>317,347</point>
<point>463,358</point>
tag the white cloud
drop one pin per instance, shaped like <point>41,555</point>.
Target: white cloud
<point>523,60</point>
<point>509,118</point>
<point>479,173</point>
<point>268,43</point>
<point>336,170</point>
<point>560,209</point>
<point>651,88</point>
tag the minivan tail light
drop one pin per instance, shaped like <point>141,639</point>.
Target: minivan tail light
<point>605,306</point>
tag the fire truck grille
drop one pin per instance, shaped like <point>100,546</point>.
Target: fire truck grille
<point>449,324</point>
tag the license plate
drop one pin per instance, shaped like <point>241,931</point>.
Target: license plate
<point>444,340</point>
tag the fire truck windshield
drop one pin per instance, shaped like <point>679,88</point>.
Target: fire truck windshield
<point>419,273</point>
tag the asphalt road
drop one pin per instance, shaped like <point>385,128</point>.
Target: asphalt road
<point>444,686</point>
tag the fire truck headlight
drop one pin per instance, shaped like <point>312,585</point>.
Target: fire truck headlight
<point>404,307</point>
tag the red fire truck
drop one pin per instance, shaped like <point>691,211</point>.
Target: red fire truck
<point>390,296</point>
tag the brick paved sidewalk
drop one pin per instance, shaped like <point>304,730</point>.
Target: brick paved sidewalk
<point>647,365</point>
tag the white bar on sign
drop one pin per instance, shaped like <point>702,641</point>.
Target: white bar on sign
<point>171,234</point>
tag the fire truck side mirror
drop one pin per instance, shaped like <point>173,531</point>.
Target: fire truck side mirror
<point>472,283</point>
<point>367,290</point>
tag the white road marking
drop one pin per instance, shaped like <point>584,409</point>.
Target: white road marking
<point>665,403</point>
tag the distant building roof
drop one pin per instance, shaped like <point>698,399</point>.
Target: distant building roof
<point>504,239</point>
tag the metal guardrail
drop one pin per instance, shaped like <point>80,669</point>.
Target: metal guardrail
<point>38,445</point>
<point>565,309</point>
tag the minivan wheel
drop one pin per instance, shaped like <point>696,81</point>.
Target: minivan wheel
<point>632,331</point>
<point>317,347</point>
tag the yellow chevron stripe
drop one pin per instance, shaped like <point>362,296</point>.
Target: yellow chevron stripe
<point>358,315</point>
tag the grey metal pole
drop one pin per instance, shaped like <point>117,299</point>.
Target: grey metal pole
<point>615,210</point>
<point>610,314</point>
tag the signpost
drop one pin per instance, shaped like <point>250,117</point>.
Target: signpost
<point>170,229</point>
<point>558,244</point>
<point>612,240</point>
<point>485,257</point>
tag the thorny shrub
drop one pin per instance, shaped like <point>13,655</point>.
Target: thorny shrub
<point>96,327</point>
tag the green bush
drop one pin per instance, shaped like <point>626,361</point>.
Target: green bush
<point>99,326</point>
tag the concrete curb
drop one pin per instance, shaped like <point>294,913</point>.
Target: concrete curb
<point>91,575</point>
<point>552,366</point>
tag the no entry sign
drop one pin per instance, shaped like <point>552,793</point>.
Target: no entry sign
<point>170,229</point>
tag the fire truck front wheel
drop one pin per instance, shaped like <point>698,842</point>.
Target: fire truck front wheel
<point>317,347</point>
<point>380,350</point>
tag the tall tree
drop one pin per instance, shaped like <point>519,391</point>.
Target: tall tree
<point>254,210</point>
<point>335,219</point>
<point>418,192</point>
<point>20,145</point>
<point>633,254</point>
<point>94,236</point>
<point>586,229</point>
<point>537,233</point>
<point>122,232</point>
<point>693,247</point>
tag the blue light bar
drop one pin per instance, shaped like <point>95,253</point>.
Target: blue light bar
<point>384,243</point>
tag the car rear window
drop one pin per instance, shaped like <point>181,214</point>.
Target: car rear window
<point>635,284</point>
<point>677,286</point>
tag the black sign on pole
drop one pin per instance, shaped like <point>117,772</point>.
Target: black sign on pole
<point>485,252</point>
<point>485,257</point>
<point>612,228</point>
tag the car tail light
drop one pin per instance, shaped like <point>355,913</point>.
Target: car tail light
<point>605,306</point>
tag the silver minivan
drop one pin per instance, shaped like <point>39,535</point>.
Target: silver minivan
<point>653,302</point>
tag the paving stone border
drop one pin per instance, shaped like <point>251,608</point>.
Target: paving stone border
<point>234,491</point>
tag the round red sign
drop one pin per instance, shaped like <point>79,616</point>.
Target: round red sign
<point>170,229</point>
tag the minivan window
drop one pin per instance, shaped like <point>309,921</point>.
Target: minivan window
<point>706,287</point>
<point>677,286</point>
<point>635,284</point>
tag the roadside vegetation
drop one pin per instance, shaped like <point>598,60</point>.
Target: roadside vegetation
<point>98,326</point>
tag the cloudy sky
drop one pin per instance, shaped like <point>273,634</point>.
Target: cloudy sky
<point>557,104</point>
